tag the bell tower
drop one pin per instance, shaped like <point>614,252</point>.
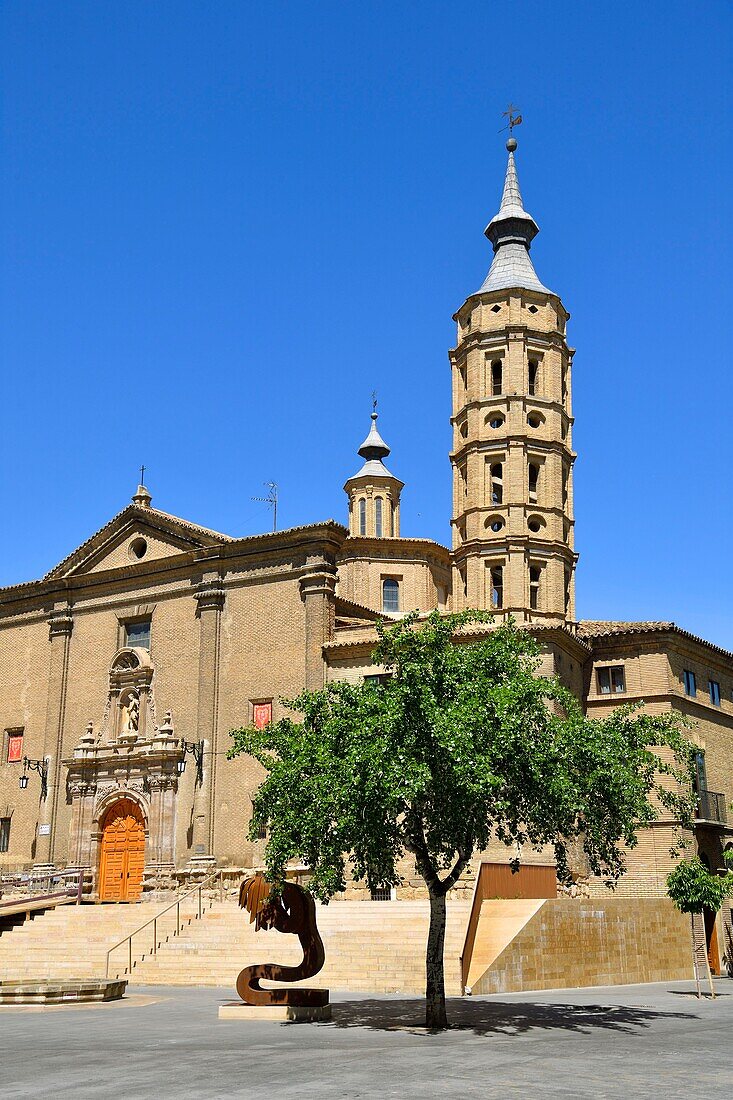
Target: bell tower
<point>512,423</point>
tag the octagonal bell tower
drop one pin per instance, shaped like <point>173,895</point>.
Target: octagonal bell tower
<point>512,422</point>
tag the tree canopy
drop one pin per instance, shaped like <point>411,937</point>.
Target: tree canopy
<point>693,887</point>
<point>462,742</point>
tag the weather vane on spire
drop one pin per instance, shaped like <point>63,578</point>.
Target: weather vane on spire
<point>513,119</point>
<point>374,401</point>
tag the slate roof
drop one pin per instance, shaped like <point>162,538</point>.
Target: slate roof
<point>511,232</point>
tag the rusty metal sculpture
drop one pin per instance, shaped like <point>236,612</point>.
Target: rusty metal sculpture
<point>292,910</point>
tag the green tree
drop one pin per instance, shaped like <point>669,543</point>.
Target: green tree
<point>463,742</point>
<point>693,888</point>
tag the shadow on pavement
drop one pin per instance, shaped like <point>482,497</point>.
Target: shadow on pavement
<point>497,1017</point>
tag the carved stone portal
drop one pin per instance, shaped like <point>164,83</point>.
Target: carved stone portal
<point>130,758</point>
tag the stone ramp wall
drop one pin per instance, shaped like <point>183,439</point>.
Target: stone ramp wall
<point>610,941</point>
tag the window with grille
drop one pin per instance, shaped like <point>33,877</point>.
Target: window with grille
<point>390,594</point>
<point>382,893</point>
<point>611,680</point>
<point>4,834</point>
<point>689,682</point>
<point>378,517</point>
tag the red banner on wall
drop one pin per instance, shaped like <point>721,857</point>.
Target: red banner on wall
<point>15,749</point>
<point>261,714</point>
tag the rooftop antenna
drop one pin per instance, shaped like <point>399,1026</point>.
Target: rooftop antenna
<point>270,500</point>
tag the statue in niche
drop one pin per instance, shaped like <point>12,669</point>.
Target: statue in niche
<point>131,714</point>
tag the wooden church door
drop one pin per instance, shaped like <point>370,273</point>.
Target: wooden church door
<point>123,853</point>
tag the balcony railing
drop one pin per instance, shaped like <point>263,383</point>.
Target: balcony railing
<point>711,807</point>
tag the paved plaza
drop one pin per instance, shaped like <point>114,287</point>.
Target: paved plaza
<point>626,1041</point>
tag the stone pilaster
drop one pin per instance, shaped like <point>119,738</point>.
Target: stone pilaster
<point>60,626</point>
<point>317,590</point>
<point>210,600</point>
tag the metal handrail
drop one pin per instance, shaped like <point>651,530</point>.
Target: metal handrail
<point>209,880</point>
<point>22,883</point>
<point>711,806</point>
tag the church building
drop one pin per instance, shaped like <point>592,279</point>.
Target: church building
<point>124,668</point>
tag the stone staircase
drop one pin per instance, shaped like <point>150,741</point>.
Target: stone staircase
<point>69,941</point>
<point>371,947</point>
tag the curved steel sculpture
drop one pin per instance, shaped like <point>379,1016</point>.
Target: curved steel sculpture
<point>292,910</point>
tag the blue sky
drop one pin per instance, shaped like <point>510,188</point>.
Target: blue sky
<point>224,225</point>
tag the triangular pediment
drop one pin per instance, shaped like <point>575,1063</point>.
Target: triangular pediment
<point>136,535</point>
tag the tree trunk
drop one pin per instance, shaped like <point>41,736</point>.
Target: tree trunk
<point>435,1015</point>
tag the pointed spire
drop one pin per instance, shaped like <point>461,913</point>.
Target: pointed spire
<point>374,446</point>
<point>511,232</point>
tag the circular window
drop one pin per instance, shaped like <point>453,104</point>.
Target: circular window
<point>535,420</point>
<point>138,548</point>
<point>495,523</point>
<point>535,523</point>
<point>496,422</point>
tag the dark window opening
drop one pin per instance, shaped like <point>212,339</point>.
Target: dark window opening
<point>611,680</point>
<point>362,517</point>
<point>690,683</point>
<point>4,834</point>
<point>533,373</point>
<point>496,574</point>
<point>534,586</point>
<point>714,691</point>
<point>496,377</point>
<point>497,483</point>
<point>532,479</point>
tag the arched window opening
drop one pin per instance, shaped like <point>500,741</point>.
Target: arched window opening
<point>496,580</point>
<point>564,486</point>
<point>362,517</point>
<point>564,384</point>
<point>533,376</point>
<point>497,483</point>
<point>533,478</point>
<point>567,591</point>
<point>496,377</point>
<point>390,594</point>
<point>378,525</point>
